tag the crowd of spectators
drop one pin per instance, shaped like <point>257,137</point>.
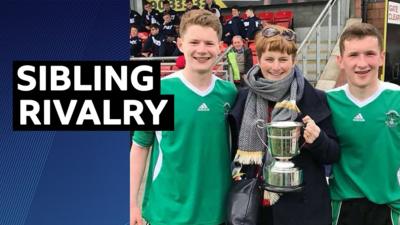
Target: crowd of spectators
<point>160,30</point>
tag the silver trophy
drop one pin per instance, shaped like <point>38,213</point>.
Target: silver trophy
<point>280,174</point>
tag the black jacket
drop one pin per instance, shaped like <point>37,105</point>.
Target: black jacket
<point>251,26</point>
<point>174,16</point>
<point>248,59</point>
<point>311,206</point>
<point>136,46</point>
<point>168,30</point>
<point>155,45</point>
<point>233,27</point>
<point>154,17</point>
<point>136,19</point>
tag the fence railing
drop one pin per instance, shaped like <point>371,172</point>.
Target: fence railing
<point>334,25</point>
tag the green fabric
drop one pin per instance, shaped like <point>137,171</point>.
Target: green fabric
<point>369,137</point>
<point>336,205</point>
<point>395,218</point>
<point>234,65</point>
<point>189,170</point>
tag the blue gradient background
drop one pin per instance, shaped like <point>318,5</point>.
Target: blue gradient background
<point>60,178</point>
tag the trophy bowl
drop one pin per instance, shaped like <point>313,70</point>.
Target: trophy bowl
<point>283,139</point>
<point>283,176</point>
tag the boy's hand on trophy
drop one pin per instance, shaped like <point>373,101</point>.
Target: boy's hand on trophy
<point>311,130</point>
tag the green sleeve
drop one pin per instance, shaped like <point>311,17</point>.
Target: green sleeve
<point>143,138</point>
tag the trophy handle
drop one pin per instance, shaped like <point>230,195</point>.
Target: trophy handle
<point>301,134</point>
<point>268,155</point>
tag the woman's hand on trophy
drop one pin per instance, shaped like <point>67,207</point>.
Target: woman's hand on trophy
<point>311,130</point>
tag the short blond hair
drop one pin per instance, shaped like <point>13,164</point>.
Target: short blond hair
<point>202,18</point>
<point>276,43</point>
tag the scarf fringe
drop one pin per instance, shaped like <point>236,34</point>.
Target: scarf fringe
<point>249,157</point>
<point>270,198</point>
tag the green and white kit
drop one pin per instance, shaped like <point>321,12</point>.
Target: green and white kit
<point>369,136</point>
<point>189,171</point>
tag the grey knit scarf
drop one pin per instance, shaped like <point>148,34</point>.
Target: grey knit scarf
<point>262,91</point>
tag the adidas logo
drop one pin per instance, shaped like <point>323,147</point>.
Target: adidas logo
<point>203,108</point>
<point>358,118</point>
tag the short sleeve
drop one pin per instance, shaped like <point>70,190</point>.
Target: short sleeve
<point>143,138</point>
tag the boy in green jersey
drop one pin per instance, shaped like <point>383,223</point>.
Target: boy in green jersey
<point>189,169</point>
<point>365,187</point>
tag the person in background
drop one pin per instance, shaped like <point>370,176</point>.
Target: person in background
<point>155,44</point>
<point>272,82</point>
<point>365,186</point>
<point>234,26</point>
<point>168,28</point>
<point>244,59</point>
<point>169,33</point>
<point>150,16</point>
<point>189,171</point>
<point>135,19</point>
<point>190,6</point>
<point>252,25</point>
<point>168,10</point>
<point>135,42</point>
<point>210,4</point>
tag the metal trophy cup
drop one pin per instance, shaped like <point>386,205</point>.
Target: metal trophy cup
<point>281,175</point>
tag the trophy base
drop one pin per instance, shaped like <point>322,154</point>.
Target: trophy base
<point>278,189</point>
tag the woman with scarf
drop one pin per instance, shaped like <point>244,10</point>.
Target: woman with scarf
<point>276,79</point>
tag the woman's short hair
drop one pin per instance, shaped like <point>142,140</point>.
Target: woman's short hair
<point>277,39</point>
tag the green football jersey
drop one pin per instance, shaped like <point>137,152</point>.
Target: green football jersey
<point>369,137</point>
<point>189,172</point>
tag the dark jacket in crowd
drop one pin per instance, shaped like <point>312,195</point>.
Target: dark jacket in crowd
<point>174,16</point>
<point>233,27</point>
<point>168,30</point>
<point>154,17</point>
<point>155,44</point>
<point>135,19</point>
<point>170,36</point>
<point>248,59</point>
<point>310,206</point>
<point>136,46</point>
<point>251,26</point>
